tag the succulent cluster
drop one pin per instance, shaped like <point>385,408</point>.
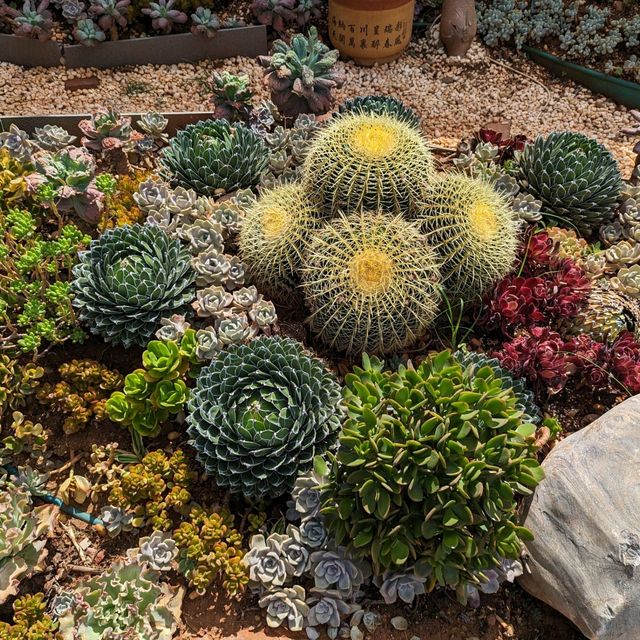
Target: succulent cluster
<point>17,382</point>
<point>583,34</point>
<point>575,177</point>
<point>259,414</point>
<point>231,96</point>
<point>30,621</point>
<point>126,599</point>
<point>151,492</point>
<point>231,312</point>
<point>214,157</point>
<point>301,75</point>
<point>279,14</point>
<point>35,296</point>
<point>66,180</point>
<point>368,161</point>
<point>128,280</point>
<point>371,283</point>
<point>13,172</point>
<point>151,394</point>
<point>209,547</point>
<point>120,207</point>
<point>23,536</point>
<point>427,497</point>
<point>25,437</point>
<point>81,393</point>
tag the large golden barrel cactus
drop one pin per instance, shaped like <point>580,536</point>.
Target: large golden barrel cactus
<point>273,234</point>
<point>371,282</point>
<point>366,162</point>
<point>474,231</point>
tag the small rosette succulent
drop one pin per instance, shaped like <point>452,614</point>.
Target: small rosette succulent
<point>128,280</point>
<point>301,75</point>
<point>575,177</point>
<point>213,157</point>
<point>125,601</point>
<point>259,414</point>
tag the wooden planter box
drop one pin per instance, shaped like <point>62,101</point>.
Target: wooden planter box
<point>69,122</point>
<point>622,91</point>
<point>28,52</point>
<point>171,49</point>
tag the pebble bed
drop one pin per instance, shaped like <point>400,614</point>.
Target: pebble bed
<point>454,96</point>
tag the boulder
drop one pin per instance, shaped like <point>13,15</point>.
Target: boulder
<point>585,516</point>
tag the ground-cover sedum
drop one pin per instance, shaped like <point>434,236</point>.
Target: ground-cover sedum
<point>259,414</point>
<point>368,161</point>
<point>371,283</point>
<point>430,464</point>
<point>128,280</point>
<point>213,157</point>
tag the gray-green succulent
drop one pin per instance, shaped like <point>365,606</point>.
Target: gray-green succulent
<point>213,157</point>
<point>128,280</point>
<point>260,413</point>
<point>575,177</point>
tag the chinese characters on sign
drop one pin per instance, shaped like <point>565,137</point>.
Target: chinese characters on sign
<point>387,36</point>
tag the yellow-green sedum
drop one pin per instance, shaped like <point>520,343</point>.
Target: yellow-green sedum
<point>368,162</point>
<point>273,235</point>
<point>474,231</point>
<point>371,283</point>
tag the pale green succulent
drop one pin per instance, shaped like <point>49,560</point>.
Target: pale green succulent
<point>23,531</point>
<point>51,137</point>
<point>127,601</point>
<point>157,551</point>
<point>260,413</point>
<point>129,279</point>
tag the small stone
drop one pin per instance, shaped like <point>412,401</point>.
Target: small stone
<point>174,435</point>
<point>415,638</point>
<point>399,623</point>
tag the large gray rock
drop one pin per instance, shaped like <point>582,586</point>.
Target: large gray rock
<point>585,515</point>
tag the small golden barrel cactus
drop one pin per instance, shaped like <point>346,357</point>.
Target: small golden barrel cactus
<point>371,282</point>
<point>368,162</point>
<point>474,231</point>
<point>607,313</point>
<point>273,234</point>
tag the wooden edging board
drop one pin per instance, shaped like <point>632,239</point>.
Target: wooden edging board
<point>248,41</point>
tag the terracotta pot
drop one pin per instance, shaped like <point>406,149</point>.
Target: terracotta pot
<point>370,31</point>
<point>458,26</point>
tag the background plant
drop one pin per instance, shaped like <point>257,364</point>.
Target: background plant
<point>30,621</point>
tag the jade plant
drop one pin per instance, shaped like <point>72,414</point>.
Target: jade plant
<point>126,600</point>
<point>301,76</point>
<point>23,536</point>
<point>260,412</point>
<point>158,390</point>
<point>430,464</point>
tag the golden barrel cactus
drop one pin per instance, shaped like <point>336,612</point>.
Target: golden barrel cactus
<point>474,231</point>
<point>273,234</point>
<point>371,282</point>
<point>368,162</point>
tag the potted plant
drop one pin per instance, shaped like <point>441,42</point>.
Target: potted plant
<point>370,31</point>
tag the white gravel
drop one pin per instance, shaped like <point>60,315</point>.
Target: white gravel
<point>454,97</point>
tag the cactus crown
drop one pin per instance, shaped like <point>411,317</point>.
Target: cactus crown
<point>368,161</point>
<point>370,281</point>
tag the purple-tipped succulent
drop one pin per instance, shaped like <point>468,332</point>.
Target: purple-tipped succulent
<point>107,130</point>
<point>307,9</point>
<point>274,13</point>
<point>164,16</point>
<point>88,33</point>
<point>204,22</point>
<point>111,14</point>
<point>33,21</point>
<point>73,10</point>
